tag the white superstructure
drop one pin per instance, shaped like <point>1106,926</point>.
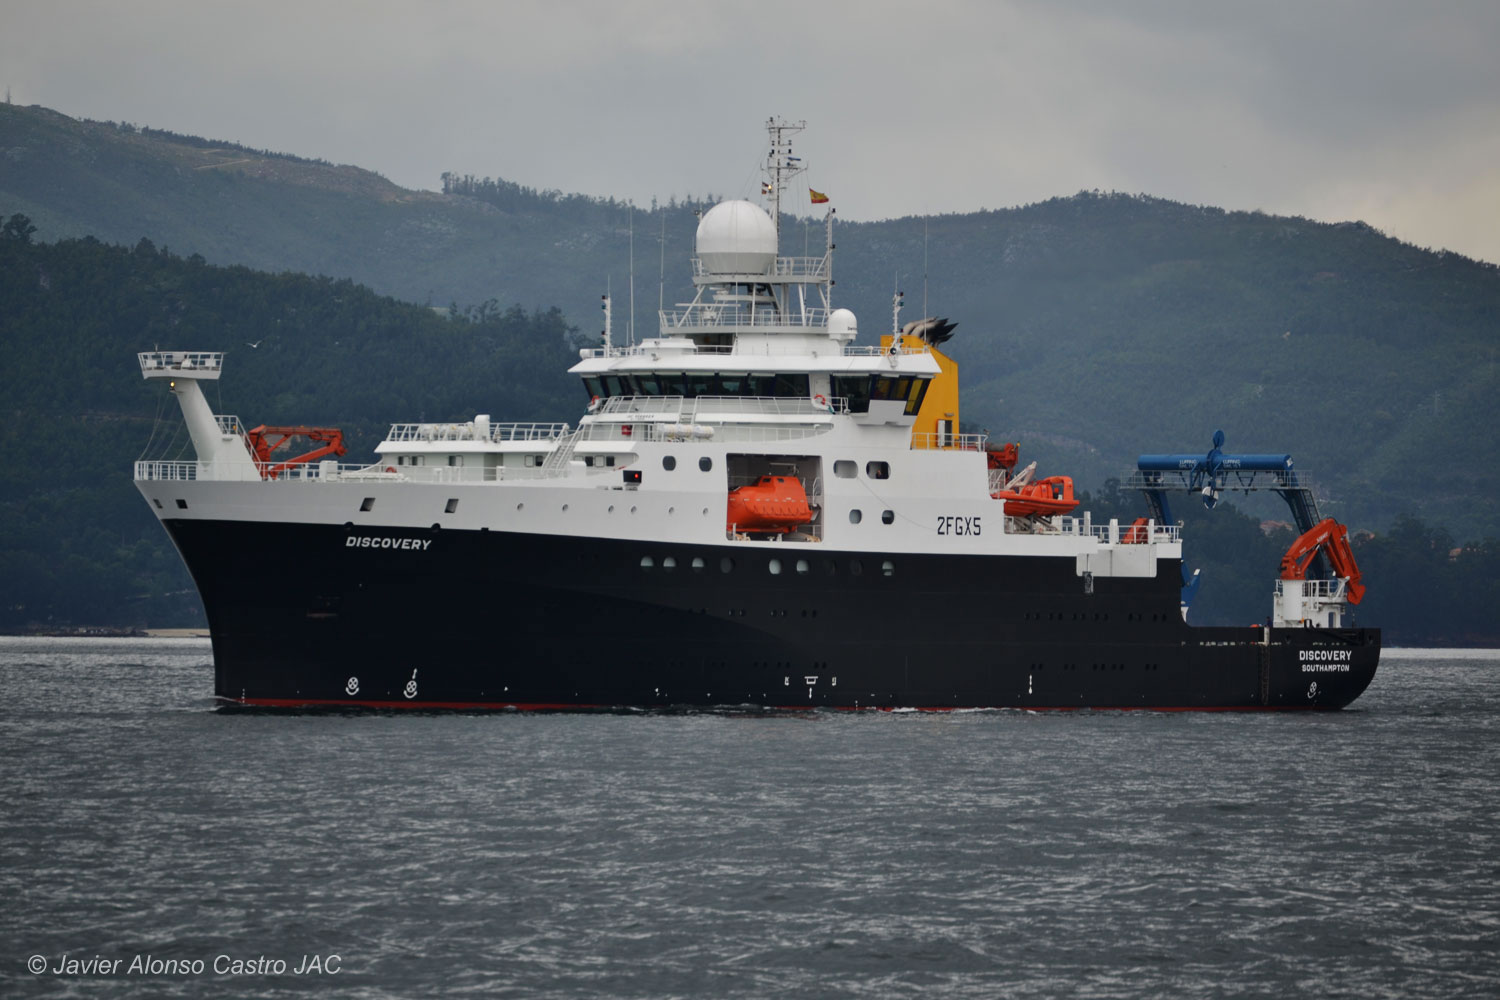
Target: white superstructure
<point>758,375</point>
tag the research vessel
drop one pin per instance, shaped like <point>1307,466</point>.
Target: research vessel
<point>753,509</point>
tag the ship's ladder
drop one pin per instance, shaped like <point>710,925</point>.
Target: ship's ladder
<point>559,457</point>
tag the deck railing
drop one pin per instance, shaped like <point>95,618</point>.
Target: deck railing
<point>1115,532</point>
<point>469,432</point>
<point>923,441</point>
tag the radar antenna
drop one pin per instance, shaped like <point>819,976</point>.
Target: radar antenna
<point>781,165</point>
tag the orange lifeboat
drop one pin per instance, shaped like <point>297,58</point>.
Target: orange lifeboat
<point>773,505</point>
<point>1045,497</point>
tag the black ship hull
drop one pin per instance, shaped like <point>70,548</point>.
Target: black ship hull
<point>319,615</point>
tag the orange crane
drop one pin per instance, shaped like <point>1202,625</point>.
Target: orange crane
<point>264,440</point>
<point>1332,539</point>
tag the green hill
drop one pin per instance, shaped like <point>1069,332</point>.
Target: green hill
<point>79,545</point>
<point>1092,327</point>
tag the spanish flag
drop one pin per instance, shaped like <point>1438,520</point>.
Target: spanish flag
<point>818,197</point>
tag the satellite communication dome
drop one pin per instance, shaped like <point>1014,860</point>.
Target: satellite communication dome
<point>736,237</point>
<point>842,325</point>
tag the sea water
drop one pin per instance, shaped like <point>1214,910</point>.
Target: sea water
<point>151,845</point>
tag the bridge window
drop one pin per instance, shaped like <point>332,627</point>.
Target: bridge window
<point>786,385</point>
<point>855,388</point>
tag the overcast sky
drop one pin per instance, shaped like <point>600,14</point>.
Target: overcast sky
<point>1387,112</point>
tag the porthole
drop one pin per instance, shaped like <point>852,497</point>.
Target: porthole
<point>726,565</point>
<point>632,510</point>
<point>669,563</point>
<point>888,568</point>
<point>856,515</point>
<point>830,567</point>
<point>845,469</point>
<point>520,506</point>
<point>668,462</point>
<point>802,567</point>
<point>856,567</point>
<point>647,562</point>
<point>367,504</point>
<point>774,566</point>
<point>705,511</point>
<point>705,463</point>
<point>697,564</point>
<point>611,509</point>
<point>451,507</point>
<point>158,503</point>
<point>878,470</point>
<point>565,508</point>
<point>671,510</point>
<point>182,504</point>
<point>887,517</point>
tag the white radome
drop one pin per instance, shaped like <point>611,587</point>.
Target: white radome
<point>842,325</point>
<point>736,237</point>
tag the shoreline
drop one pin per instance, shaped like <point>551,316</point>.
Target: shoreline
<point>113,632</point>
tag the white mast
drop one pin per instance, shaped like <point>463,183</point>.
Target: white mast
<point>781,165</point>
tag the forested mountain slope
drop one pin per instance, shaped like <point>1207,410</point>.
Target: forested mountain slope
<point>79,544</point>
<point>1092,327</point>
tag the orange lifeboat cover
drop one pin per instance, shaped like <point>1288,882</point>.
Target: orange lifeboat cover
<point>771,505</point>
<point>1053,495</point>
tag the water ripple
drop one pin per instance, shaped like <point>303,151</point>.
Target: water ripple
<point>1097,855</point>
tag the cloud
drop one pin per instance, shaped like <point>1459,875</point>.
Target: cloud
<point>1332,110</point>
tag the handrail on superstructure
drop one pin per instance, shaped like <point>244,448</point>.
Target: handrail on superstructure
<point>691,407</point>
<point>798,268</point>
<point>469,432</point>
<point>925,440</point>
<point>677,346</point>
<point>721,315</point>
<point>199,364</point>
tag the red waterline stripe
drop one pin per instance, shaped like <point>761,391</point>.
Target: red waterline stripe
<point>418,705</point>
<point>574,706</point>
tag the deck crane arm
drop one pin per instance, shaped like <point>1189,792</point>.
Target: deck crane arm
<point>264,440</point>
<point>1332,539</point>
